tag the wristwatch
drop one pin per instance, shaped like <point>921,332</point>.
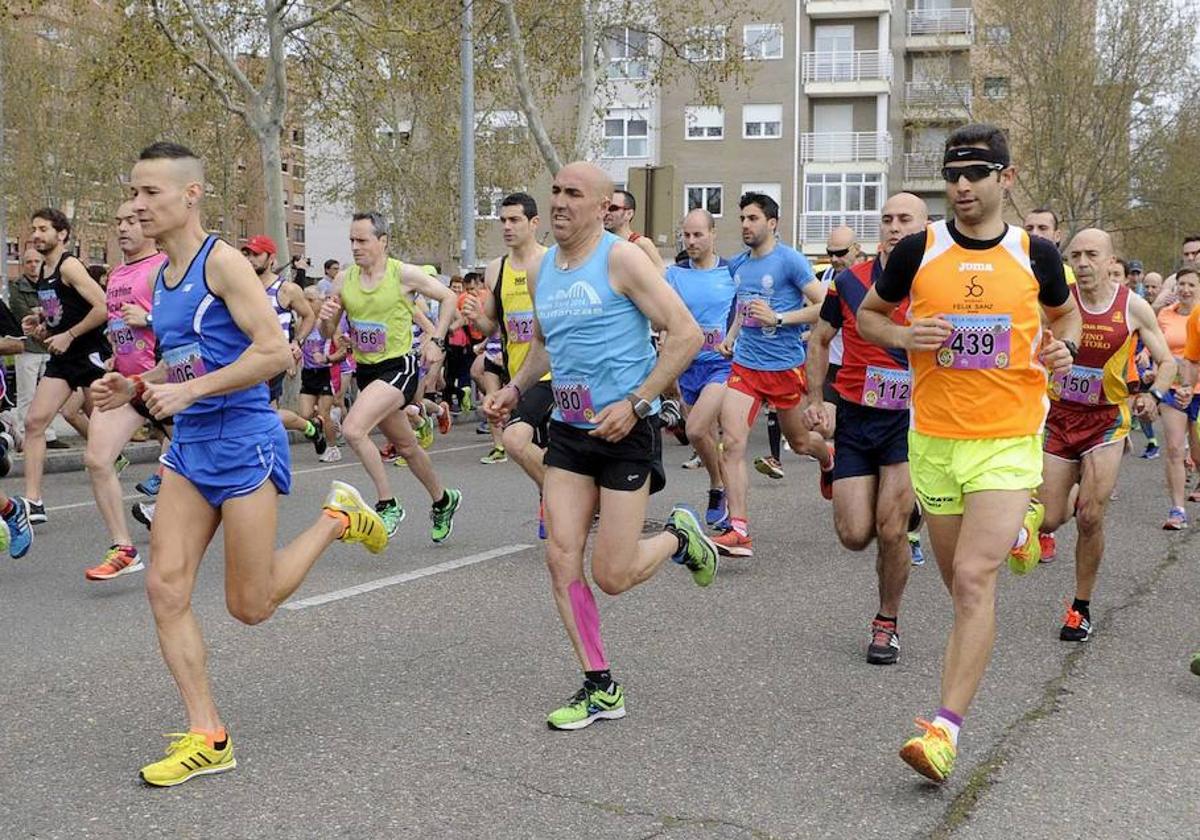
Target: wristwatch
<point>778,320</point>
<point>149,319</point>
<point>439,343</point>
<point>1158,395</point>
<point>641,407</point>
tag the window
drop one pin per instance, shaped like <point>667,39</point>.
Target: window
<point>708,196</point>
<point>298,233</point>
<point>298,137</point>
<point>284,166</point>
<point>242,234</point>
<point>298,172</point>
<point>773,190</point>
<point>762,40</point>
<point>487,203</point>
<point>12,251</point>
<point>705,43</point>
<point>627,50</point>
<point>762,122</point>
<point>626,134</point>
<point>96,253</point>
<point>394,136</point>
<point>842,192</point>
<point>998,34</point>
<point>995,87</point>
<point>503,126</point>
<point>704,122</point>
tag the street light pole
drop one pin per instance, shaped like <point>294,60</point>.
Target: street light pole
<point>467,171</point>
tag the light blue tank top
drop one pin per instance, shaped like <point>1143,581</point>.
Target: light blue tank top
<point>598,340</point>
<point>197,335</point>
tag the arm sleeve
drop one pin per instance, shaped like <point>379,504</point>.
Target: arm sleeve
<point>901,269</point>
<point>831,309</point>
<point>1048,269</point>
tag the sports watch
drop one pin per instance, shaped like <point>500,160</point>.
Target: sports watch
<point>641,407</point>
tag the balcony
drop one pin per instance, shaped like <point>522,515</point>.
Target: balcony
<point>846,8</point>
<point>937,101</point>
<point>816,226</point>
<point>847,73</point>
<point>923,171</point>
<point>845,146</point>
<point>940,29</point>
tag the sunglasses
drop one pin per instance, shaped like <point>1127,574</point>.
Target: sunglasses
<point>974,172</point>
<point>840,253</point>
<point>616,208</point>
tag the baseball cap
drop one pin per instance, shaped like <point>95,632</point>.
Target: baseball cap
<point>260,245</point>
<point>1135,265</point>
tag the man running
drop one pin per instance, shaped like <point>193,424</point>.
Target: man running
<point>872,492</point>
<point>68,321</point>
<point>1089,413</point>
<point>228,462</point>
<point>978,401</point>
<point>596,298</point>
<point>618,218</point>
<point>776,293</point>
<point>1043,222</point>
<point>376,294</point>
<point>318,357</point>
<point>706,288</point>
<point>130,284</point>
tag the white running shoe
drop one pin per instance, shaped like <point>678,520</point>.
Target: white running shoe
<point>332,455</point>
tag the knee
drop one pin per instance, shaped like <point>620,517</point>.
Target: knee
<point>353,431</point>
<point>36,423</point>
<point>697,432</point>
<point>514,441</point>
<point>894,530</point>
<point>246,612</point>
<point>973,591</point>
<point>853,536</point>
<point>1089,518</point>
<point>166,593</point>
<point>563,563</point>
<point>610,581</point>
<point>94,461</point>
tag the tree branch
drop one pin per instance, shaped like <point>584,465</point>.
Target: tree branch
<point>215,44</point>
<point>217,84</point>
<point>315,17</point>
<point>533,115</point>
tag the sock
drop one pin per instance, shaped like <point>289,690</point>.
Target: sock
<point>216,738</point>
<point>601,679</point>
<point>443,500</point>
<point>383,504</point>
<point>310,431</point>
<point>889,619</point>
<point>1022,538</point>
<point>951,722</point>
<point>774,435</point>
<point>8,509</point>
<point>1080,606</point>
<point>681,543</point>
<point>742,526</point>
<point>340,516</point>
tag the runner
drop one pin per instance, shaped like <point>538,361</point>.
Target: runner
<point>1182,407</point>
<point>1089,416</point>
<point>318,357</point>
<point>978,401</point>
<point>872,493</point>
<point>618,218</point>
<point>131,284</point>
<point>776,293</point>
<point>596,298</point>
<point>68,322</point>
<point>707,289</point>
<point>16,534</point>
<point>1044,222</point>
<point>229,460</point>
<point>376,294</point>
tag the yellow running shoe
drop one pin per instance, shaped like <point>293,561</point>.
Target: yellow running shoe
<point>425,432</point>
<point>363,524</point>
<point>932,754</point>
<point>1023,560</point>
<point>187,756</point>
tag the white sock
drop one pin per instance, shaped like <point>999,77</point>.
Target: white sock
<point>950,726</point>
<point>1022,538</point>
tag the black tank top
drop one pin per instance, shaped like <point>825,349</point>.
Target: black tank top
<point>63,308</point>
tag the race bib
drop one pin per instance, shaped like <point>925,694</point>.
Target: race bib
<point>887,388</point>
<point>519,326</point>
<point>977,342</point>
<point>368,336</point>
<point>574,401</point>
<point>748,320</point>
<point>51,306</point>
<point>712,337</point>
<point>120,335</point>
<point>184,363</point>
<point>1079,385</point>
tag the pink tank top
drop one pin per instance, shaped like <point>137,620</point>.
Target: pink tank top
<point>133,347</point>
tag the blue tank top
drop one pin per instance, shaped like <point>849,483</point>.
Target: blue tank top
<point>597,339</point>
<point>197,335</point>
<point>708,295</point>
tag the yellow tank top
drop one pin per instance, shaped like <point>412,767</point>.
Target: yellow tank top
<point>516,315</point>
<point>380,318</point>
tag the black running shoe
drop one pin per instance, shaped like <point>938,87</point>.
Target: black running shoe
<point>318,440</point>
<point>884,648</point>
<point>1077,627</point>
<point>36,511</point>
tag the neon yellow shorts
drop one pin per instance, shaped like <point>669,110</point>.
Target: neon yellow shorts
<point>944,470</point>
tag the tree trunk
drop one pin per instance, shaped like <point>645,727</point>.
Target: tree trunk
<point>529,106</point>
<point>585,113</point>
<point>267,135</point>
<point>4,170</point>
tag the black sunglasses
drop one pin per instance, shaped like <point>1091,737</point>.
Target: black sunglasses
<point>974,172</point>
<point>840,253</point>
<point>614,208</point>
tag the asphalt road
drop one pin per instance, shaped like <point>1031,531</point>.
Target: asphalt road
<point>416,708</point>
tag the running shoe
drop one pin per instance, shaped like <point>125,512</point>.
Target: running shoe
<point>884,646</point>
<point>718,509</point>
<point>1196,664</point>
<point>481,428</point>
<point>1177,520</point>
<point>400,463</point>
<point>693,463</point>
<point>699,553</point>
<point>20,532</point>
<point>468,401</point>
<point>1049,547</point>
<point>914,548</point>
<point>144,513</point>
<point>1076,626</point>
<point>769,467</point>
<point>932,754</point>
<point>120,464</point>
<point>425,432</point>
<point>1023,560</point>
<point>5,536</point>
<point>1150,452</point>
<point>318,436</point>
<point>332,455</point>
<point>391,513</point>
<point>827,478</point>
<point>590,703</point>
<point>496,456</point>
<point>363,525</point>
<point>57,444</point>
<point>119,560</point>
<point>149,486</point>
<point>444,418</point>
<point>734,544</point>
<point>670,414</point>
<point>36,511</point>
<point>187,756</point>
<point>541,519</point>
<point>388,453</point>
<point>443,516</point>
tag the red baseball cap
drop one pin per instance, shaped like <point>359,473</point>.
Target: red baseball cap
<point>260,245</point>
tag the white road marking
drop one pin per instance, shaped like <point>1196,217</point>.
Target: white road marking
<point>405,577</point>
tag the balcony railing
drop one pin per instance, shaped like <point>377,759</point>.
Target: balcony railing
<point>922,166</point>
<point>839,146</point>
<point>865,225</point>
<point>944,95</point>
<point>863,65</point>
<point>924,22</point>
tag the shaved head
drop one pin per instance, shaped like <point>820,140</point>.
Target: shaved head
<point>1092,239</point>
<point>909,204</point>
<point>579,199</point>
<point>1090,255</point>
<point>840,237</point>
<point>593,178</point>
<point>700,216</point>
<point>903,214</point>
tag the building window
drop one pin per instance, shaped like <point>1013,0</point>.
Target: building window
<point>705,43</point>
<point>298,137</point>
<point>762,122</point>
<point>503,126</point>
<point>762,40</point>
<point>12,251</point>
<point>627,50</point>
<point>96,253</point>
<point>283,166</point>
<point>298,234</point>
<point>704,122</point>
<point>707,196</point>
<point>242,234</point>
<point>995,87</point>
<point>997,34</point>
<point>774,190</point>
<point>487,203</point>
<point>842,192</point>
<point>626,134</point>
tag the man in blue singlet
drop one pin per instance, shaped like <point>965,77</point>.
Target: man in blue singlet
<point>228,461</point>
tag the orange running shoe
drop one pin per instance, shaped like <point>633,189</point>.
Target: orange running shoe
<point>444,417</point>
<point>1049,547</point>
<point>932,754</point>
<point>734,544</point>
<point>119,560</point>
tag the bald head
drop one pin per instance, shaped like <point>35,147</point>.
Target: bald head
<point>579,200</point>
<point>1152,283</point>
<point>841,246</point>
<point>31,261</point>
<point>1092,239</point>
<point>903,214</point>
<point>594,179</point>
<point>699,216</point>
<point>1091,257</point>
<point>699,236</point>
<point>840,237</point>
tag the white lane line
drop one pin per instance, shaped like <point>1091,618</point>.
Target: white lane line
<point>351,463</point>
<point>405,577</point>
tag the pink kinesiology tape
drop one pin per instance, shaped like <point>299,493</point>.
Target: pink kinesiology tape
<point>587,623</point>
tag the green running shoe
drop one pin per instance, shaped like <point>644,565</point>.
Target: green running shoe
<point>590,703</point>
<point>467,402</point>
<point>1023,560</point>
<point>443,517</point>
<point>425,433</point>
<point>496,456</point>
<point>699,552</point>
<point>392,515</point>
<point>120,464</point>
